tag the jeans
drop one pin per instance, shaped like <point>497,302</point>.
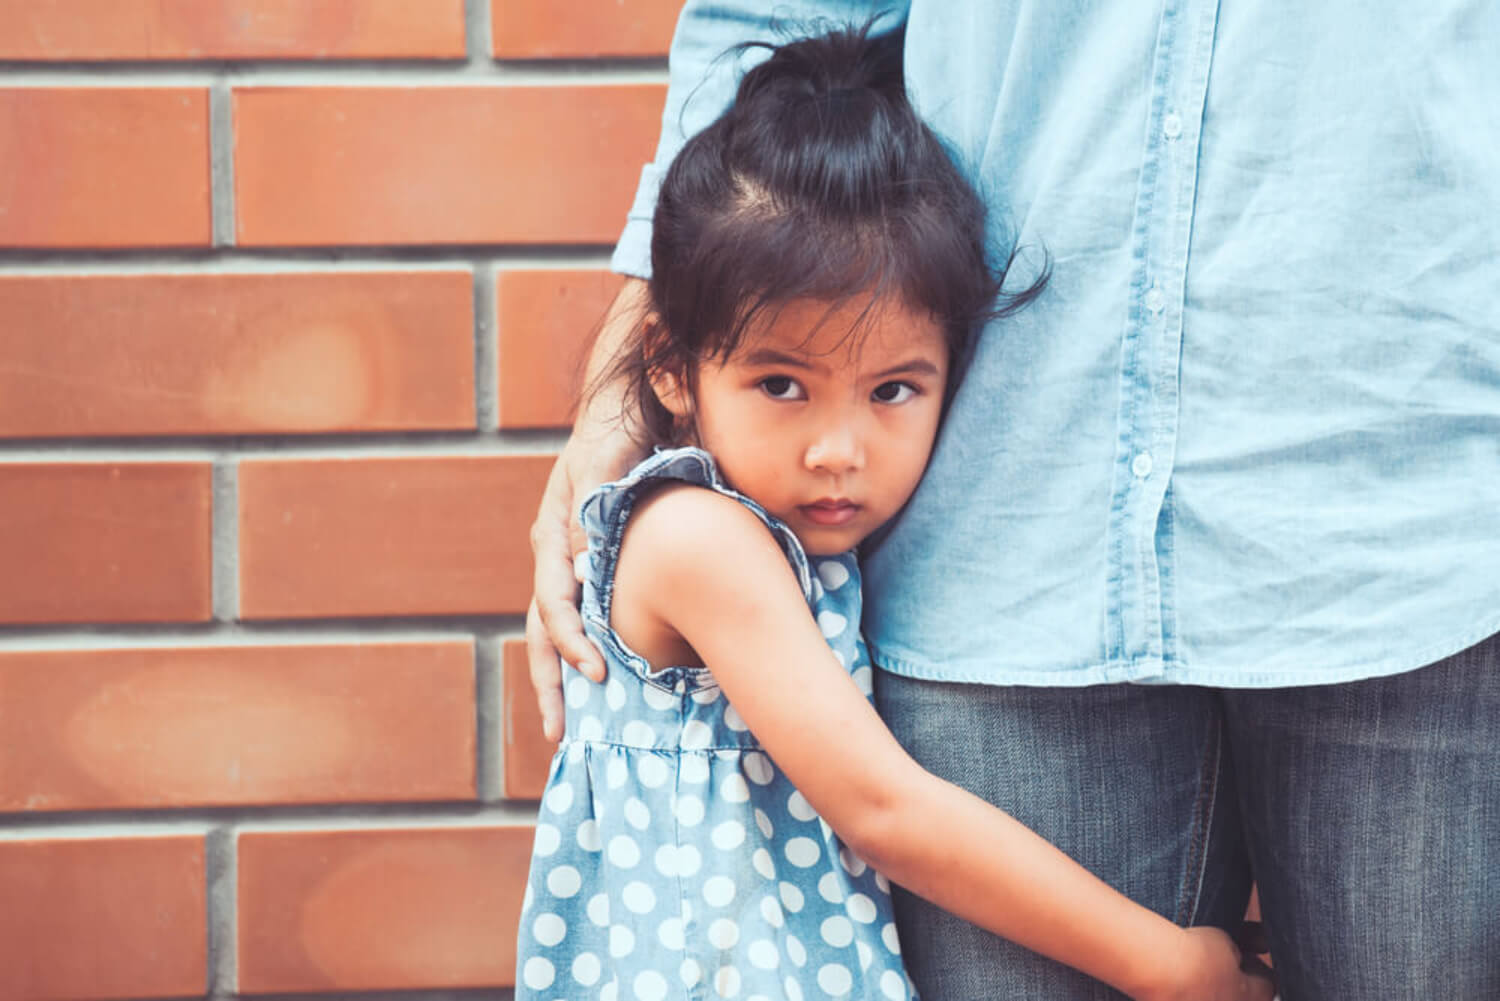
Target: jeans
<point>1369,813</point>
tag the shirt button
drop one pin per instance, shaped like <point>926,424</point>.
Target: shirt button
<point>1171,126</point>
<point>1156,301</point>
<point>1141,465</point>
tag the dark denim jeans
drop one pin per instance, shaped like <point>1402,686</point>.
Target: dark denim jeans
<point>1369,813</point>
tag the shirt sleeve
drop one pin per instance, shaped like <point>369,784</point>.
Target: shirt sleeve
<point>703,72</point>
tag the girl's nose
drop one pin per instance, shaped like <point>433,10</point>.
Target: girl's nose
<point>836,450</point>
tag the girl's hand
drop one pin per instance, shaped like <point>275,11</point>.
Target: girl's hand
<point>600,449</point>
<point>1210,968</point>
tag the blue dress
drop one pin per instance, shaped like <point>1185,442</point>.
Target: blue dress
<point>673,860</point>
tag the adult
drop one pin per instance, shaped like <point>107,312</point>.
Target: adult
<point>1202,575</point>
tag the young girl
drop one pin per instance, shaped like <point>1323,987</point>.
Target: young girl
<point>725,810</point>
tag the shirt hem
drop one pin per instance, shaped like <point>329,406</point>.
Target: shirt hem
<point>1155,671</point>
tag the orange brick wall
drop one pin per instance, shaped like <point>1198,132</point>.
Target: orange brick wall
<point>293,299</point>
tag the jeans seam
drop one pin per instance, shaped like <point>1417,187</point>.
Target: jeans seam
<point>1202,824</point>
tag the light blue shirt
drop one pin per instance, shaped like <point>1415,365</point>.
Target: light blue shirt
<point>1250,436</point>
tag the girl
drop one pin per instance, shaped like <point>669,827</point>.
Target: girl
<point>724,812</point>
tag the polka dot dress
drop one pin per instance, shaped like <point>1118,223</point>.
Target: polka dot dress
<point>673,860</point>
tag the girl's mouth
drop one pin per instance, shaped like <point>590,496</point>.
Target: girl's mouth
<point>829,512</point>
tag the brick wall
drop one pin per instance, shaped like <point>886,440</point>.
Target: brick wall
<point>293,295</point>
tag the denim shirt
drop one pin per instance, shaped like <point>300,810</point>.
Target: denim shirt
<point>1250,435</point>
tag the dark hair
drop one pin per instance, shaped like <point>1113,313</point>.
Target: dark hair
<point>819,182</point>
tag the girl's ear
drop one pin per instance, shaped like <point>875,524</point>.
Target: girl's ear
<point>670,387</point>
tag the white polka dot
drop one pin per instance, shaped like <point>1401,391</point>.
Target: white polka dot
<point>666,860</point>
<point>574,754</point>
<point>758,768</point>
<point>696,736</point>
<point>589,728</point>
<point>729,836</point>
<point>637,814</point>
<point>614,695</point>
<point>734,720</point>
<point>610,991</point>
<point>824,831</point>
<point>694,768</point>
<point>864,680</point>
<point>733,789</point>
<point>831,888</point>
<point>795,950</point>
<point>689,810</point>
<point>689,860</point>
<point>791,897</point>
<point>891,940</point>
<point>798,806</point>
<point>835,980</point>
<point>579,689</point>
<point>838,655</point>
<point>763,954</point>
<point>588,835</point>
<point>548,838</point>
<point>865,955</point>
<point>652,771</point>
<point>526,898</point>
<point>638,734</point>
<point>724,934</point>
<point>670,933</point>
<point>586,969</point>
<point>763,822</point>
<point>882,884</point>
<point>832,623</point>
<point>771,911</point>
<point>793,990</point>
<point>833,574</point>
<point>549,929</point>
<point>598,909</point>
<point>564,881</point>
<point>719,891</point>
<point>538,973</point>
<point>623,851</point>
<point>650,986</point>
<point>861,908</point>
<point>892,985</point>
<point>559,798</point>
<point>803,852</point>
<point>851,862</point>
<point>657,699</point>
<point>837,931</point>
<point>616,773</point>
<point>707,696</point>
<point>638,897</point>
<point>621,941</point>
<point>727,982</point>
<point>690,972</point>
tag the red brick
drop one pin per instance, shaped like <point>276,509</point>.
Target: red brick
<point>539,29</point>
<point>97,167</point>
<point>401,536</point>
<point>528,754</point>
<point>236,354</point>
<point>102,918</point>
<point>380,909</point>
<point>318,166</point>
<point>547,321</point>
<point>214,726</point>
<point>232,29</point>
<point>101,542</point>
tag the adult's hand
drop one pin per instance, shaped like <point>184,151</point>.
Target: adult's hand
<point>601,448</point>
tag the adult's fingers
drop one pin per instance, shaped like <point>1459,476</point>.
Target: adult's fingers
<point>554,587</point>
<point>546,674</point>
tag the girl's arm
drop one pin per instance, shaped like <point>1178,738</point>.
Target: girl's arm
<point>701,566</point>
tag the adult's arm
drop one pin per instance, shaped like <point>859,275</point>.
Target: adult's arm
<point>704,71</point>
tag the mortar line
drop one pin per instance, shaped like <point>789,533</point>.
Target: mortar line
<point>489,745</point>
<point>486,350</point>
<point>223,921</point>
<point>225,552</point>
<point>221,160</point>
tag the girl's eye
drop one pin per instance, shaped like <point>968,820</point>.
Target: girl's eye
<point>894,392</point>
<point>781,387</point>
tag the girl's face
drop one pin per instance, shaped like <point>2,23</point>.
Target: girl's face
<point>827,430</point>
